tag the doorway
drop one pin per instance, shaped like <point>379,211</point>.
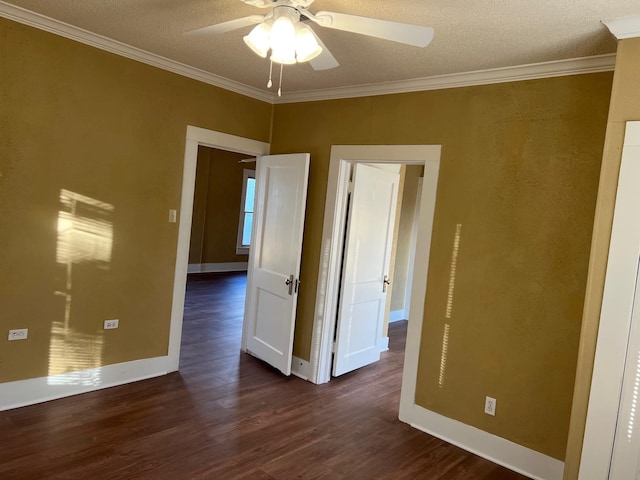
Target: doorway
<point>342,157</point>
<point>217,271</point>
<point>195,137</point>
<point>376,250</point>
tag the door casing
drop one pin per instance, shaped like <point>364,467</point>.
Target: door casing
<point>342,156</point>
<point>197,136</point>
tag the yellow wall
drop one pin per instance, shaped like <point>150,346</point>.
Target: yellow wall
<point>216,207</point>
<point>519,170</point>
<point>79,119</point>
<point>625,106</point>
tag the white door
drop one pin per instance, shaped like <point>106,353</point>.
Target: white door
<point>274,259</point>
<point>625,461</point>
<point>367,258</point>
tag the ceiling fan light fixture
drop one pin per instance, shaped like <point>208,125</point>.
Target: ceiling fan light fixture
<point>259,39</point>
<point>307,47</point>
<point>286,56</point>
<point>283,36</point>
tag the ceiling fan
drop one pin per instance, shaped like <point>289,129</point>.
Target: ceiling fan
<point>284,31</point>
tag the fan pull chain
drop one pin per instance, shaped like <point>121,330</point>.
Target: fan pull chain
<point>270,83</point>
<point>280,86</point>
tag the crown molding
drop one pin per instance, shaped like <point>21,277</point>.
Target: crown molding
<point>66,30</point>
<point>558,68</point>
<point>576,66</point>
<point>624,27</point>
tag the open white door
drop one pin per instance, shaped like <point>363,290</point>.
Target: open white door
<point>274,259</point>
<point>367,258</point>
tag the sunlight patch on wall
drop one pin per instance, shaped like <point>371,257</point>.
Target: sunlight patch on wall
<point>452,272</point>
<point>72,354</point>
<point>85,237</point>
<point>449,308</point>
<point>85,230</point>
<point>443,355</point>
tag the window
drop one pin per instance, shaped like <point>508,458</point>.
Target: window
<point>246,212</point>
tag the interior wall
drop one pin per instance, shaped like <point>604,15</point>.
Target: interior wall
<point>625,106</point>
<point>216,206</point>
<point>199,215</point>
<point>109,133</point>
<point>519,172</point>
<point>405,231</point>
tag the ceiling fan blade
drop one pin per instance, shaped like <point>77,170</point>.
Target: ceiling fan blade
<point>259,3</point>
<point>225,27</point>
<point>324,61</point>
<point>406,33</point>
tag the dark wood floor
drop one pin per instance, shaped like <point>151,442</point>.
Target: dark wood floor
<point>226,415</point>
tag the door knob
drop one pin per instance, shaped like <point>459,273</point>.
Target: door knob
<point>289,283</point>
<point>385,283</point>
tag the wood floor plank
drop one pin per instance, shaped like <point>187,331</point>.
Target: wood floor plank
<point>227,415</point>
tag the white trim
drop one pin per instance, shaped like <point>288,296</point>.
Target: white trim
<point>615,316</point>
<point>42,389</point>
<point>398,315</point>
<point>624,27</point>
<point>331,247</point>
<point>384,344</point>
<point>412,251</point>
<point>77,34</point>
<point>224,267</point>
<point>418,289</point>
<point>196,136</point>
<point>217,267</point>
<point>300,368</point>
<point>496,449</point>
<point>558,68</point>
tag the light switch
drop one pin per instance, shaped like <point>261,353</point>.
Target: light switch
<point>173,214</point>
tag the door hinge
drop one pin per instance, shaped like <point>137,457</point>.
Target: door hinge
<point>333,347</point>
<point>350,187</point>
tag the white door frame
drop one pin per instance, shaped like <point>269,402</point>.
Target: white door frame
<point>615,316</point>
<point>197,136</point>
<point>342,156</point>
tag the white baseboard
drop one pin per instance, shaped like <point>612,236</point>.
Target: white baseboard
<point>42,389</point>
<point>300,368</point>
<point>397,315</point>
<point>384,344</point>
<point>496,449</point>
<point>217,267</point>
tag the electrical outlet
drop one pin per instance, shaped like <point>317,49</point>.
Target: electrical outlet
<point>490,406</point>
<point>111,324</point>
<point>19,334</point>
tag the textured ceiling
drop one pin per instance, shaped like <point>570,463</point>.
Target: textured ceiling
<point>470,35</point>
